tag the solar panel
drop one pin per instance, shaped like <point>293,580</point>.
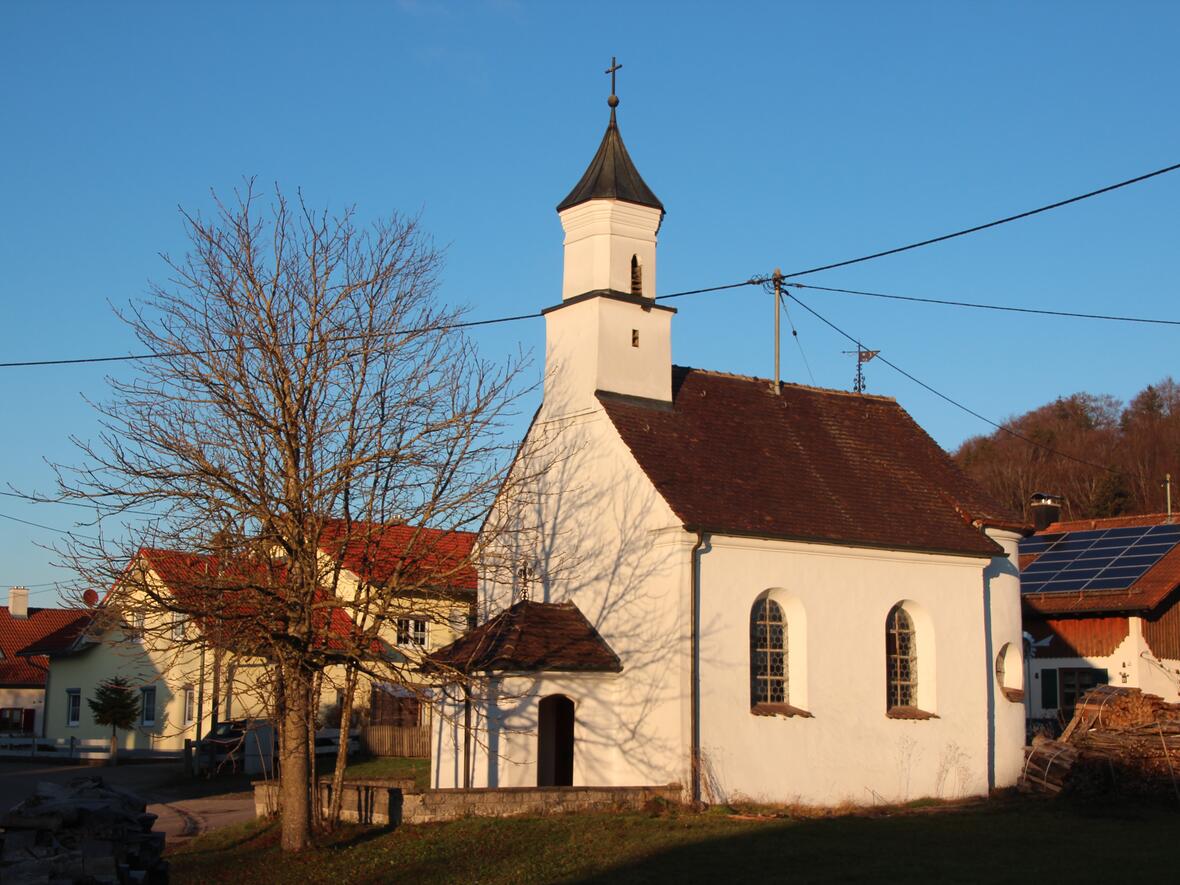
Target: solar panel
<point>1098,559</point>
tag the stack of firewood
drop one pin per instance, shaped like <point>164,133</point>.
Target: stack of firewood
<point>84,832</point>
<point>1119,740</point>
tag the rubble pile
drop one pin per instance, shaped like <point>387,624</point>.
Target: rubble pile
<point>86,832</point>
<point>1120,740</point>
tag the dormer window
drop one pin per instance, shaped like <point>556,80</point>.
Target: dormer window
<point>636,276</point>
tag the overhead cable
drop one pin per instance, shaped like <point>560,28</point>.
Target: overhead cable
<point>949,399</point>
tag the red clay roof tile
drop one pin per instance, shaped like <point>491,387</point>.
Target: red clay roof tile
<point>531,637</point>
<point>22,641</point>
<point>730,456</point>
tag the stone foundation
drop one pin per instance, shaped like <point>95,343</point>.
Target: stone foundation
<point>390,802</point>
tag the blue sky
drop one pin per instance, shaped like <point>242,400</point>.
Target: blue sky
<point>776,134</point>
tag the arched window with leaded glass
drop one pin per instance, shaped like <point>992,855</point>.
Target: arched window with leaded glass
<point>768,653</point>
<point>901,658</point>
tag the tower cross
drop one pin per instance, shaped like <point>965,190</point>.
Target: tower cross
<point>614,66</point>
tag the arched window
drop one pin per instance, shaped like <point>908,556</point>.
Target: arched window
<point>636,276</point>
<point>901,658</point>
<point>768,653</point>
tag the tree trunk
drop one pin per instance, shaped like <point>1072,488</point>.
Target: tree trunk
<point>313,706</point>
<point>296,779</point>
<point>342,749</point>
<point>114,759</point>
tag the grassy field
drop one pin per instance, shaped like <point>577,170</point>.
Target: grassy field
<point>1009,841</point>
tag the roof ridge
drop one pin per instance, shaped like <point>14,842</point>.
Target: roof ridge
<point>808,387</point>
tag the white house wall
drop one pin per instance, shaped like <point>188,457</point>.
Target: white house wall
<point>849,751</point>
<point>1005,626</point>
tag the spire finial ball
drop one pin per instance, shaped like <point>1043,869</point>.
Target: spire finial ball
<point>613,101</point>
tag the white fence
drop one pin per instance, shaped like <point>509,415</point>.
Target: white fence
<point>47,749</point>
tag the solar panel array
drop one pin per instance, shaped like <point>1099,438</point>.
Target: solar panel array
<point>1104,559</point>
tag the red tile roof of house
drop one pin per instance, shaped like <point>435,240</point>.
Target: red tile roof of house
<point>1143,595</point>
<point>239,592</point>
<point>377,553</point>
<point>530,637</point>
<point>19,666</point>
<point>730,456</point>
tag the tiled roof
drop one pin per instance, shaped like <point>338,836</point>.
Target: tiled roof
<point>376,553</point>
<point>1143,595</point>
<point>239,592</point>
<point>19,634</point>
<point>730,456</point>
<point>531,637</point>
<point>611,175</point>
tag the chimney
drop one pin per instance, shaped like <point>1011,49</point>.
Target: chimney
<point>18,602</point>
<point>1045,509</point>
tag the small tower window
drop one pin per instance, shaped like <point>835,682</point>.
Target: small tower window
<point>636,276</point>
<point>634,337</point>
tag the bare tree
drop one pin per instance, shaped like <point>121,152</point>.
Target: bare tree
<point>301,385</point>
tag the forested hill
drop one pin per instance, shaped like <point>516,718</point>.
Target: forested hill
<point>1126,449</point>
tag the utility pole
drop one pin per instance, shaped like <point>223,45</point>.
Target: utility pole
<point>1167,484</point>
<point>778,298</point>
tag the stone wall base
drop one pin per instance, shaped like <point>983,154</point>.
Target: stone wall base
<point>387,803</point>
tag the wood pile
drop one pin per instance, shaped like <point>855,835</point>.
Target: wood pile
<point>1120,740</point>
<point>86,832</point>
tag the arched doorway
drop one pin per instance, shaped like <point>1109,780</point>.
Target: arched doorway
<point>555,742</point>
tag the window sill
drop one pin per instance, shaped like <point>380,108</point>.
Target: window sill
<point>912,713</point>
<point>785,710</point>
<point>1015,695</point>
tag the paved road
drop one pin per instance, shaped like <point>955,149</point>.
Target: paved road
<point>185,807</point>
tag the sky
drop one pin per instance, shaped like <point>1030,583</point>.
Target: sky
<point>776,134</point>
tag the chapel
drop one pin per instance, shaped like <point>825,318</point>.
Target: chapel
<point>773,592</point>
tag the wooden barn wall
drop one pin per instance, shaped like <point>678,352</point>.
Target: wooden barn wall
<point>1162,629</point>
<point>1078,637</point>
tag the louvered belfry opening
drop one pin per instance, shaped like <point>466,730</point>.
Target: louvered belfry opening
<point>636,276</point>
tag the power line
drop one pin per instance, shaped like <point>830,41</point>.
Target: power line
<point>753,281</point>
<point>38,500</point>
<point>1001,307</point>
<point>48,528</point>
<point>948,399</point>
<point>996,223</point>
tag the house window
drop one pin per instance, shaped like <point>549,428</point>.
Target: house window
<point>768,653</point>
<point>12,720</point>
<point>190,705</point>
<point>1075,682</point>
<point>634,337</point>
<point>411,631</point>
<point>901,655</point>
<point>177,626</point>
<point>73,705</point>
<point>137,622</point>
<point>147,705</point>
<point>636,276</point>
<point>1049,688</point>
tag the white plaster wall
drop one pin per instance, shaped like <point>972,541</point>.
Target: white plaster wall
<point>588,348</point>
<point>595,533</point>
<point>850,751</point>
<point>26,699</point>
<point>1001,581</point>
<point>600,238</point>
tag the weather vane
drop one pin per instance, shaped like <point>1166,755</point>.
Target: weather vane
<point>862,357</point>
<point>613,101</point>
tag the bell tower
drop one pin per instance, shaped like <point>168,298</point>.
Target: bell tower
<point>608,333</point>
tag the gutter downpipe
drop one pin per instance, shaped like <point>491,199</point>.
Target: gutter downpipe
<point>694,678</point>
<point>467,734</point>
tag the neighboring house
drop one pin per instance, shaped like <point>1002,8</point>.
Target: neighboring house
<point>1101,602</point>
<point>191,672</point>
<point>435,603</point>
<point>23,678</point>
<point>785,595</point>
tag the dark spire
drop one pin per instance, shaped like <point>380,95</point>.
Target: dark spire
<point>611,175</point>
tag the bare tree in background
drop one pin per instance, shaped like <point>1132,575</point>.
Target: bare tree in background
<point>302,385</point>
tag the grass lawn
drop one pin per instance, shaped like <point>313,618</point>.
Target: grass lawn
<point>1017,841</point>
<point>391,766</point>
